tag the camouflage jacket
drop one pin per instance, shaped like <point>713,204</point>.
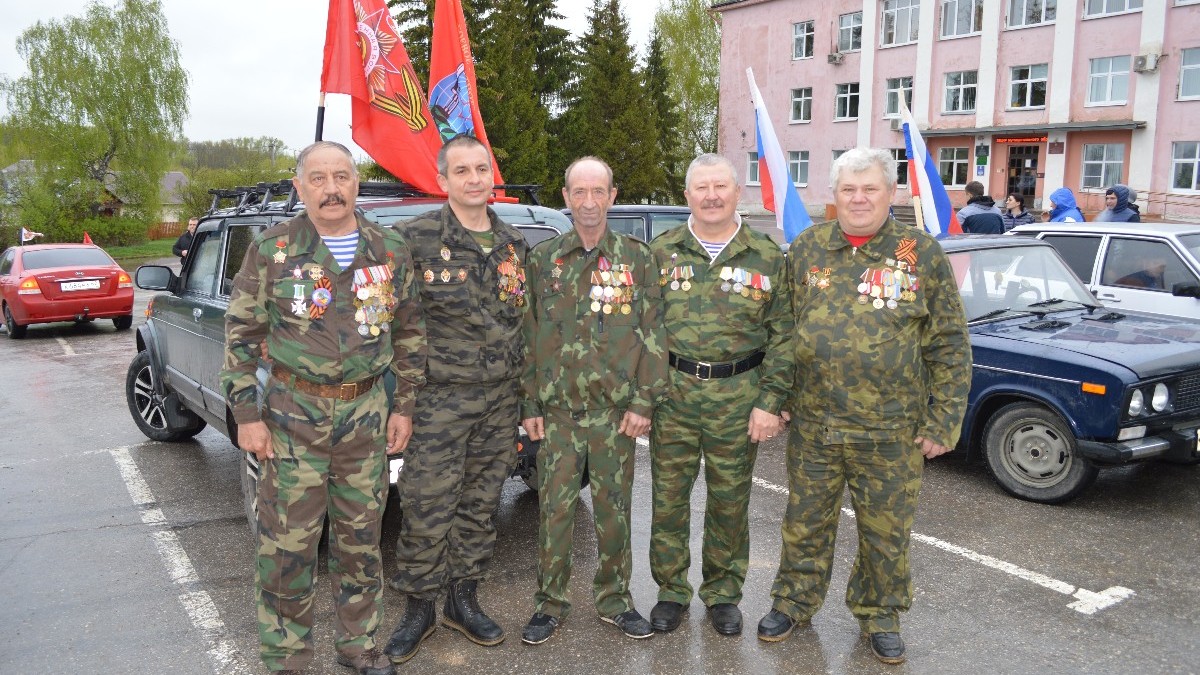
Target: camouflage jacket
<point>892,361</point>
<point>287,273</point>
<point>578,358</point>
<point>713,322</point>
<point>473,303</point>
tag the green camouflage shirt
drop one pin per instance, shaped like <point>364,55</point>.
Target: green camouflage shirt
<point>473,303</point>
<point>713,322</point>
<point>578,358</point>
<point>881,339</point>
<point>287,275</point>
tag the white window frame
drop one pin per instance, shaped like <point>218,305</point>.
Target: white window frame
<point>1193,161</point>
<point>1189,73</point>
<point>952,9</point>
<point>850,32</point>
<point>803,97</point>
<point>847,92</point>
<point>961,87</point>
<point>796,159</point>
<point>891,98</point>
<point>1110,166</point>
<point>1095,8</point>
<point>1108,78</point>
<point>899,13</point>
<point>1035,73</point>
<point>803,36</point>
<point>901,157</point>
<point>954,158</point>
<point>1047,10</point>
<point>752,168</point>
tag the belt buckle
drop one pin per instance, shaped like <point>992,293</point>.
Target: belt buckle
<point>703,364</point>
<point>348,391</point>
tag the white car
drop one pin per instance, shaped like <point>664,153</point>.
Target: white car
<point>1148,267</point>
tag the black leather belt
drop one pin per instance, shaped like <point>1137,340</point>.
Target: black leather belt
<point>712,371</point>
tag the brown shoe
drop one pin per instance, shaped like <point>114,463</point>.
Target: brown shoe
<point>371,662</point>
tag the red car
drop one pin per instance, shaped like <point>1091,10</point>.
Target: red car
<point>43,283</point>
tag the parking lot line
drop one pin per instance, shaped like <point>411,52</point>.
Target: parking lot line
<point>68,350</point>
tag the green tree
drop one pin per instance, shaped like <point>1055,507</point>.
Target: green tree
<point>263,154</point>
<point>691,46</point>
<point>415,20</point>
<point>102,106</point>
<point>666,110</point>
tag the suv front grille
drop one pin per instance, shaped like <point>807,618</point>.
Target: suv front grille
<point>1187,393</point>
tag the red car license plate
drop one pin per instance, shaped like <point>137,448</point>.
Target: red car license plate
<point>91,285</point>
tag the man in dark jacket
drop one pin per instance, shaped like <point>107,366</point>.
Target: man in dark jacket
<point>980,215</point>
<point>184,243</point>
<point>1116,201</point>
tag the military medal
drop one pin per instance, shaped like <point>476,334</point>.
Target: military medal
<point>321,297</point>
<point>608,309</point>
<point>462,274</point>
<point>512,279</point>
<point>877,303</point>
<point>299,307</point>
<point>363,330</point>
<point>726,275</point>
<point>428,276</point>
<point>675,274</point>
<point>686,284</point>
<point>595,305</point>
<point>557,271</point>
<point>605,266</point>
<point>280,257</point>
<point>445,274</point>
<point>445,253</point>
<point>297,273</point>
<point>373,298</point>
<point>626,309</point>
<point>322,294</point>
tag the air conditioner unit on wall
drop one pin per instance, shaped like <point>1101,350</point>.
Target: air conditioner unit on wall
<point>836,58</point>
<point>1145,63</point>
<point>897,124</point>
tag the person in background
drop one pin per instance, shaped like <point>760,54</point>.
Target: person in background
<point>1014,213</point>
<point>1117,210</point>
<point>184,243</point>
<point>980,215</point>
<point>1063,208</point>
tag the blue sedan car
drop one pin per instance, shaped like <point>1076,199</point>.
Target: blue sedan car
<point>1062,386</point>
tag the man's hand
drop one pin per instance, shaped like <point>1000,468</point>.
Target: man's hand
<point>634,425</point>
<point>763,425</point>
<point>184,254</point>
<point>535,428</point>
<point>929,448</point>
<point>399,430</point>
<point>255,437</point>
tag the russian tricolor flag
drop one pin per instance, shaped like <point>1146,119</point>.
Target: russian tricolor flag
<point>930,201</point>
<point>778,193</point>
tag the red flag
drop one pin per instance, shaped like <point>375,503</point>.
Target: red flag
<point>86,238</point>
<point>365,58</point>
<point>453,100</point>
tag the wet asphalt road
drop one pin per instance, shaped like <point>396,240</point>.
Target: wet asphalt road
<point>122,555</point>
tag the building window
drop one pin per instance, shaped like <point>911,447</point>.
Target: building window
<point>1189,73</point>
<point>1102,164</point>
<point>954,164</point>
<point>1029,86</point>
<point>798,166</point>
<point>802,40</point>
<point>895,87</point>
<point>961,17</point>
<point>901,157</point>
<point>900,21</point>
<point>751,168</point>
<point>850,32</point>
<point>802,105</point>
<point>1101,7</point>
<point>960,91</point>
<point>1031,12</point>
<point>1108,83</point>
<point>846,106</point>
<point>1185,165</point>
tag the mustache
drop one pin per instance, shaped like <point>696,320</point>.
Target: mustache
<point>333,199</point>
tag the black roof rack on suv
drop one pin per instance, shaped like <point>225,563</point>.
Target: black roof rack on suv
<point>261,195</point>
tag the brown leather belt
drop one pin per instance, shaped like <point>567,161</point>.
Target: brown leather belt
<point>712,371</point>
<point>347,391</point>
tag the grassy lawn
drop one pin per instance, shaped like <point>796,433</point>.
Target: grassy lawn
<point>129,257</point>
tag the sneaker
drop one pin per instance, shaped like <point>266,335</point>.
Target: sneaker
<point>887,647</point>
<point>539,629</point>
<point>632,623</point>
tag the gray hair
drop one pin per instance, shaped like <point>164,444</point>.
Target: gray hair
<point>464,140</point>
<point>587,158</point>
<point>858,160</point>
<point>709,159</point>
<point>320,145</point>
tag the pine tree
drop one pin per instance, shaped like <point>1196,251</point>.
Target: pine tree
<point>658,88</point>
<point>415,20</point>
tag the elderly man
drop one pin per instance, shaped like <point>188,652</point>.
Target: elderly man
<point>595,367</point>
<point>728,319</point>
<point>332,298</point>
<point>883,366</point>
<point>472,267</point>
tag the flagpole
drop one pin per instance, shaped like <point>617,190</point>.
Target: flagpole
<point>320,117</point>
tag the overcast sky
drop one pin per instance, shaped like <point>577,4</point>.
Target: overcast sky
<point>254,67</point>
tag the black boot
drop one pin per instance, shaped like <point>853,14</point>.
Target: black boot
<point>462,613</point>
<point>416,625</point>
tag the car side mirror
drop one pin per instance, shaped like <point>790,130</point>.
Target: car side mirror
<point>1186,290</point>
<point>154,277</point>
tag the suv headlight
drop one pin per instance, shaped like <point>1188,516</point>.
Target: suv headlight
<point>1137,403</point>
<point>1161,398</point>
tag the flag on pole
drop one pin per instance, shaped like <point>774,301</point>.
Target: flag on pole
<point>87,239</point>
<point>365,58</point>
<point>29,235</point>
<point>779,195</point>
<point>931,204</point>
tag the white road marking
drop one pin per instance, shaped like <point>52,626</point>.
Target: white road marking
<point>1087,602</point>
<point>67,349</point>
<point>222,654</point>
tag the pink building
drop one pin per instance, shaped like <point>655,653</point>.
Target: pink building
<point>1022,95</point>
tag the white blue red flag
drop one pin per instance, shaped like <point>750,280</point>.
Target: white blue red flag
<point>930,202</point>
<point>779,195</point>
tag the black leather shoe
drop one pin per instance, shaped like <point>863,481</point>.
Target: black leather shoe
<point>371,662</point>
<point>775,626</point>
<point>666,616</point>
<point>462,613</point>
<point>416,625</point>
<point>634,625</point>
<point>887,647</point>
<point>726,618</point>
<point>539,629</point>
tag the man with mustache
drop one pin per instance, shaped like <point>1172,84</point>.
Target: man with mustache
<point>332,298</point>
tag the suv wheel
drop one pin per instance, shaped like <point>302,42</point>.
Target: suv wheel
<point>14,331</point>
<point>123,322</point>
<point>1031,453</point>
<point>250,493</point>
<point>148,405</point>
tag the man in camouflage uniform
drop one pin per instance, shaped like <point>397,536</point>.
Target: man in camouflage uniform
<point>728,319</point>
<point>883,366</point>
<point>321,436</point>
<point>595,367</point>
<point>471,266</point>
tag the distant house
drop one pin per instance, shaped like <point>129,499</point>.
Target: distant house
<point>171,187</point>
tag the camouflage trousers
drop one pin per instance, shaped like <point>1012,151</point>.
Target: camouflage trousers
<point>702,419</point>
<point>884,478</point>
<point>573,440</point>
<point>464,445</point>
<point>329,457</point>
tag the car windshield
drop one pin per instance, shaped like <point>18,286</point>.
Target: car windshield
<point>998,281</point>
<point>65,257</point>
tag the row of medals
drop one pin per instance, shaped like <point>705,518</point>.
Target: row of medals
<point>612,290</point>
<point>874,288</point>
<point>733,280</point>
